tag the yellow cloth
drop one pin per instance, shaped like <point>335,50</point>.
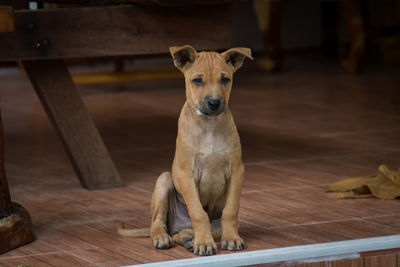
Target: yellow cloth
<point>384,185</point>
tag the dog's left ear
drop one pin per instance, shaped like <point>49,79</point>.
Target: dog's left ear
<point>235,56</point>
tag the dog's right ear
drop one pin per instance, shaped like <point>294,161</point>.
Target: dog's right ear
<point>183,56</point>
<point>235,56</point>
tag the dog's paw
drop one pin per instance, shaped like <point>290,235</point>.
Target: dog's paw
<point>162,241</point>
<point>236,243</point>
<point>188,243</point>
<point>202,248</point>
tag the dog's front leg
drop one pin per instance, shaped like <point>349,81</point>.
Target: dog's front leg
<point>203,243</point>
<point>230,238</point>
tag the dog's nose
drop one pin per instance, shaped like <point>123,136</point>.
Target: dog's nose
<point>213,104</point>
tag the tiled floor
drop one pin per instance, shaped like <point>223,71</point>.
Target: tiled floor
<point>301,129</point>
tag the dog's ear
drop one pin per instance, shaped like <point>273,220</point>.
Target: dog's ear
<point>235,56</point>
<point>183,56</point>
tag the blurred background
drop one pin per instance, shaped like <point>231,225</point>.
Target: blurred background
<point>352,32</point>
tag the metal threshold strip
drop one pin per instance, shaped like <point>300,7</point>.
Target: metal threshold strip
<point>307,253</point>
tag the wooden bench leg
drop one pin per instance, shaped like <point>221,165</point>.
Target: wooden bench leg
<point>65,108</point>
<point>15,223</point>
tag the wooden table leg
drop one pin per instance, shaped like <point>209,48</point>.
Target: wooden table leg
<point>269,16</point>
<point>65,108</point>
<point>356,33</point>
<point>15,223</point>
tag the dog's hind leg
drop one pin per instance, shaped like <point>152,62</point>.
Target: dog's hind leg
<point>159,211</point>
<point>184,238</point>
<point>216,229</point>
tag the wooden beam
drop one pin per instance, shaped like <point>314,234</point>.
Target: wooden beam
<point>114,31</point>
<point>66,110</point>
<point>25,3</point>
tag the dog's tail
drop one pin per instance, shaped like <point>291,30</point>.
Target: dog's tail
<point>140,232</point>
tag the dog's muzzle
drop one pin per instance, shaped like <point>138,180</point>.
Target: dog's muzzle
<point>212,106</point>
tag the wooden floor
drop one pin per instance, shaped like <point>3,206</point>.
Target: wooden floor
<point>301,129</point>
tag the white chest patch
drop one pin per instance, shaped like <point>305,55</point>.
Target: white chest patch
<point>211,144</point>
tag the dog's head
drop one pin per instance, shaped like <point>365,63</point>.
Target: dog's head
<point>208,76</point>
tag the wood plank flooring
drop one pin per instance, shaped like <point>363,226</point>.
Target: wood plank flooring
<point>301,129</point>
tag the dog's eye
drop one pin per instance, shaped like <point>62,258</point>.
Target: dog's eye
<point>197,81</point>
<point>225,80</point>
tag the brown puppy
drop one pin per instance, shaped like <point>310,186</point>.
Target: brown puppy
<point>199,202</point>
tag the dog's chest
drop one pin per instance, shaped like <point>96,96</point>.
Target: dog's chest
<point>212,170</point>
<point>213,145</point>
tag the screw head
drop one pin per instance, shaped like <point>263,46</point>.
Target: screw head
<point>43,44</point>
